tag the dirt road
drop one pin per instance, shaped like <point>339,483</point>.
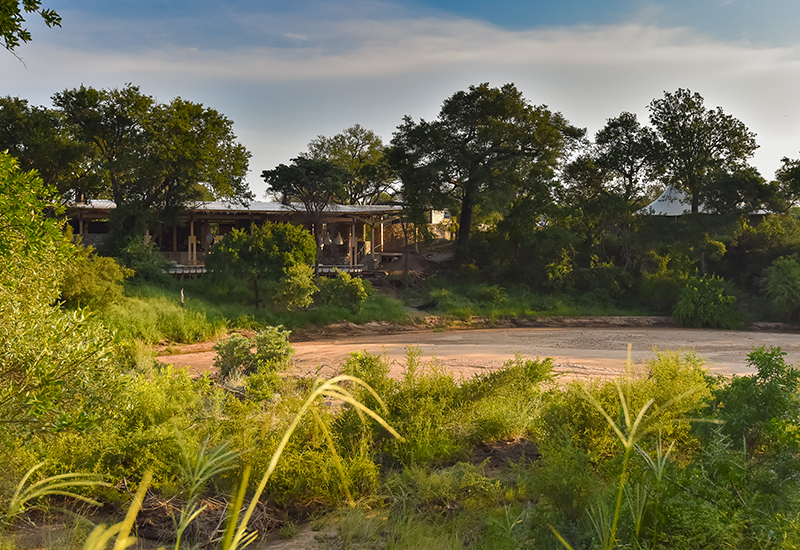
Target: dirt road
<point>577,352</point>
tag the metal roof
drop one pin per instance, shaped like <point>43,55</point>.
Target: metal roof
<point>255,207</point>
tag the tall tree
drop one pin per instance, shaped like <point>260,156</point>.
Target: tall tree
<point>314,184</point>
<point>362,153</point>
<point>37,138</point>
<point>486,146</point>
<point>629,152</point>
<point>698,143</point>
<point>151,158</point>
<point>12,20</point>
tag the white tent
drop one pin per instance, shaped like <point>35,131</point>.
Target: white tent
<point>672,202</point>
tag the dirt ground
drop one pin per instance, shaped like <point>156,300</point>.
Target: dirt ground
<point>588,351</point>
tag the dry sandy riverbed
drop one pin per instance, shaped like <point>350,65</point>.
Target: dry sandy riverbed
<point>576,352</point>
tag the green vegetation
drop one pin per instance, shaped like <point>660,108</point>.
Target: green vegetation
<point>665,457</point>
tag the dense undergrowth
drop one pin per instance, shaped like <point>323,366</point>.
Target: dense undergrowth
<point>493,461</point>
<point>666,457</point>
<point>152,312</point>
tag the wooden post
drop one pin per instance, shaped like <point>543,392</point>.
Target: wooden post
<point>372,242</point>
<point>353,242</point>
<point>192,243</point>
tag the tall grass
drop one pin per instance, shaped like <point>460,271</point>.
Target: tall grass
<point>464,300</point>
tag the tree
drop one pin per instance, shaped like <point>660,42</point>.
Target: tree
<point>315,184</point>
<point>697,143</point>
<point>37,137</point>
<point>363,155</point>
<point>787,177</point>
<point>628,151</point>
<point>12,19</point>
<point>486,146</point>
<point>266,253</point>
<point>152,158</point>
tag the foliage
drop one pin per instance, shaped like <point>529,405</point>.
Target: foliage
<point>273,353</point>
<point>782,284</point>
<point>759,408</point>
<point>56,368</point>
<point>12,19</point>
<point>314,184</point>
<point>53,485</point>
<point>30,234</point>
<point>266,252</point>
<point>151,157</point>
<point>296,290</point>
<point>706,302</point>
<point>144,259</point>
<point>92,280</point>
<point>362,154</point>
<point>344,291</point>
<point>487,146</point>
<point>161,318</point>
<point>35,136</point>
<point>698,143</point>
<point>628,150</point>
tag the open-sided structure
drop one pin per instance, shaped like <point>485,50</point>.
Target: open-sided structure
<point>355,235</point>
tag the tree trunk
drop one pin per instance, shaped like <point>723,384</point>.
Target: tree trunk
<point>465,220</point>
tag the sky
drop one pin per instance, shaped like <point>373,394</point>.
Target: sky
<point>286,72</point>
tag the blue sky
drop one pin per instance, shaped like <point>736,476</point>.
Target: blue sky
<point>287,72</point>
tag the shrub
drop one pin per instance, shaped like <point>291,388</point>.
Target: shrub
<point>273,350</point>
<point>782,284</point>
<point>344,291</point>
<point>706,302</point>
<point>92,280</point>
<point>272,355</point>
<point>762,406</point>
<point>234,355</point>
<point>145,259</point>
<point>296,290</point>
<point>677,384</point>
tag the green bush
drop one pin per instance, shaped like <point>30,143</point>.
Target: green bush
<point>782,283</point>
<point>706,302</point>
<point>145,259</point>
<point>296,290</point>
<point>92,280</point>
<point>764,407</point>
<point>234,355</point>
<point>273,353</point>
<point>344,291</point>
<point>676,382</point>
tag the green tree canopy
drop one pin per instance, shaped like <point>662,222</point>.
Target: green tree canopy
<point>37,137</point>
<point>362,153</point>
<point>628,151</point>
<point>787,177</point>
<point>151,158</point>
<point>486,147</point>
<point>315,184</point>
<point>697,144</point>
<point>265,254</point>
